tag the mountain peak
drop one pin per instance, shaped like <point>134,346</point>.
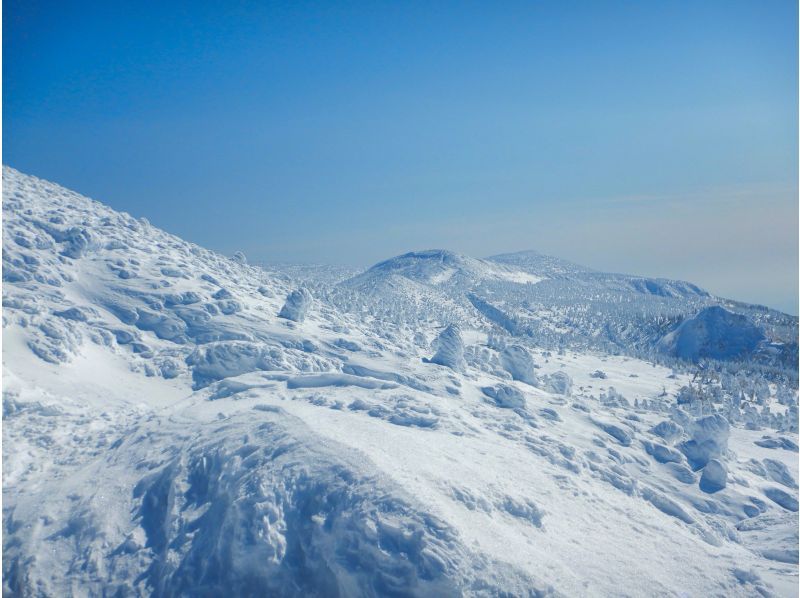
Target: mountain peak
<point>439,266</point>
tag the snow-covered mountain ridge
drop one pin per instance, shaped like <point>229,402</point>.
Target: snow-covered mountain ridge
<point>559,305</point>
<point>438,266</point>
<point>181,423</point>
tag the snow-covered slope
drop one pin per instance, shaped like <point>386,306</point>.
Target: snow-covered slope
<point>714,332</point>
<point>167,432</point>
<point>438,266</point>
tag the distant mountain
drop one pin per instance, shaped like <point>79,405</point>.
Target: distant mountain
<point>554,302</point>
<point>551,267</point>
<point>543,265</point>
<point>439,267</point>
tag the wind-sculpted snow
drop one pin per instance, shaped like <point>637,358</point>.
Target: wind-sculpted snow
<point>438,425</point>
<point>245,507</point>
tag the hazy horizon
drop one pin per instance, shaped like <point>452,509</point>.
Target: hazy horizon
<point>655,140</point>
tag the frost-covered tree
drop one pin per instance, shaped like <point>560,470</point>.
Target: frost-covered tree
<point>517,361</point>
<point>296,306</point>
<point>450,348</point>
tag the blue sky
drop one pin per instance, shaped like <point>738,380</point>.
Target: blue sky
<point>654,138</point>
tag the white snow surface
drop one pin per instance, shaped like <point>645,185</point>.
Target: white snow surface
<point>713,332</point>
<point>437,266</point>
<point>166,433</point>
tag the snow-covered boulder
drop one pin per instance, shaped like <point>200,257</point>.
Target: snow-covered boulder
<point>559,383</point>
<point>450,349</point>
<point>662,453</point>
<point>517,361</point>
<point>504,396</point>
<point>296,306</point>
<point>714,478</point>
<point>709,439</point>
<point>77,240</point>
<point>712,428</point>
<point>668,430</point>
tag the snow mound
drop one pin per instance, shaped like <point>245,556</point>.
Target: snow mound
<point>559,383</point>
<point>715,333</point>
<point>248,508</point>
<point>709,439</point>
<point>505,396</point>
<point>715,476</point>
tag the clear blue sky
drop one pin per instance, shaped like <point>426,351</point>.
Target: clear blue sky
<point>655,137</point>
